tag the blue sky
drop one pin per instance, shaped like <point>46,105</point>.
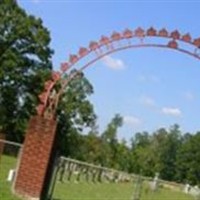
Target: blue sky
<point>150,88</point>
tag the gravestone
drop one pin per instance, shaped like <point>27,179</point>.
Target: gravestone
<point>155,182</point>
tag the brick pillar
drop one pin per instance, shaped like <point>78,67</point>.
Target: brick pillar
<point>30,178</point>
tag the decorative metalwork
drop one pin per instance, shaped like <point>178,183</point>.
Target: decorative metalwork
<point>175,35</point>
<point>151,32</point>
<point>110,44</point>
<point>83,52</point>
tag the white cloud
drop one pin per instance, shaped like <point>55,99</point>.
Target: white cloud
<point>113,63</point>
<point>147,101</point>
<point>189,96</point>
<point>132,121</point>
<point>176,112</point>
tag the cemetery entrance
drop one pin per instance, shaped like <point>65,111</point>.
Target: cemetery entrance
<point>32,182</point>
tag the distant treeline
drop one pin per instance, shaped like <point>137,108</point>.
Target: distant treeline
<point>175,155</point>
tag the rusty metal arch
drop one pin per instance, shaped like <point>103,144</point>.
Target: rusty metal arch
<point>118,41</point>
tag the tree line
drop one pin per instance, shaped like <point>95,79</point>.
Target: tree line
<point>173,154</point>
<point>25,64</point>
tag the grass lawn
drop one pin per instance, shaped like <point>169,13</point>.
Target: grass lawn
<point>111,191</point>
<point>6,163</point>
<point>87,191</point>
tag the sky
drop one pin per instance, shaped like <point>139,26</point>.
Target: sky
<point>149,87</point>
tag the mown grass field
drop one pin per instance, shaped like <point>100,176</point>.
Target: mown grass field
<point>88,191</point>
<point>6,163</point>
<point>111,191</point>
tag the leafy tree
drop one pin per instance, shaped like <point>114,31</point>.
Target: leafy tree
<point>110,134</point>
<point>74,113</point>
<point>24,66</point>
<point>123,156</point>
<point>25,63</point>
<point>169,143</point>
<point>141,154</point>
<point>156,152</point>
<point>188,159</point>
<point>109,137</point>
<point>93,146</point>
<point>141,139</point>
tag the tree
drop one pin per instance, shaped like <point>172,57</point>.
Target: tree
<point>123,156</point>
<point>142,159</point>
<point>188,159</point>
<point>74,113</point>
<point>24,66</point>
<point>110,134</point>
<point>110,141</point>
<point>156,152</point>
<point>168,143</point>
<point>91,150</point>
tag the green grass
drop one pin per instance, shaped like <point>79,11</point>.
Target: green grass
<point>83,191</point>
<point>88,191</point>
<point>166,194</point>
<point>6,163</point>
<point>111,191</point>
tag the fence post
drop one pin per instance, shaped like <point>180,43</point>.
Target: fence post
<point>33,166</point>
<point>138,189</point>
<point>2,137</point>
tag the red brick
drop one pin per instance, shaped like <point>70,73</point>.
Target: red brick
<point>35,157</point>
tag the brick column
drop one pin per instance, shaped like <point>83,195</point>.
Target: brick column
<point>30,178</point>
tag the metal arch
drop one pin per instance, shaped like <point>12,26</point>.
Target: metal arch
<point>107,45</point>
